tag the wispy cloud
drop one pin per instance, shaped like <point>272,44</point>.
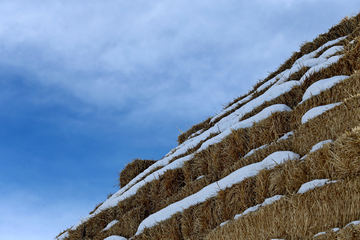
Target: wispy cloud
<point>111,53</point>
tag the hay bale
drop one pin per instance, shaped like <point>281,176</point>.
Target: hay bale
<point>346,154</point>
<point>133,169</point>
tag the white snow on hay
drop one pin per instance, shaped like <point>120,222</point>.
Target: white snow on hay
<point>226,122</point>
<point>306,60</point>
<point>268,83</point>
<point>335,229</point>
<point>319,86</point>
<point>235,105</point>
<point>115,238</point>
<point>320,64</point>
<point>110,225</point>
<point>320,145</point>
<point>212,189</point>
<point>269,95</point>
<point>331,51</point>
<point>254,150</point>
<point>312,62</point>
<point>254,208</point>
<point>353,223</point>
<point>314,53</point>
<point>286,136</point>
<point>63,236</point>
<point>317,111</point>
<point>315,64</point>
<point>318,234</point>
<point>265,113</point>
<point>194,134</point>
<point>313,184</point>
<point>223,223</point>
<point>199,177</point>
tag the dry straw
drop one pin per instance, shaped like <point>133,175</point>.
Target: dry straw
<point>327,207</point>
<point>328,125</point>
<point>338,93</point>
<point>351,232</point>
<point>298,216</point>
<point>133,169</point>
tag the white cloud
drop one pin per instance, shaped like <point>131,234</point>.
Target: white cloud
<point>116,53</point>
<point>107,52</point>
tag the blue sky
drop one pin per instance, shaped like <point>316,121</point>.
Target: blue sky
<point>87,86</point>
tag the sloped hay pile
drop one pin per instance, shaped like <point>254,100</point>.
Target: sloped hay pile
<point>308,109</point>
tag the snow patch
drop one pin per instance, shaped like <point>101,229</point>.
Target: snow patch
<point>110,225</point>
<point>313,184</point>
<point>313,54</point>
<point>316,111</point>
<point>320,233</point>
<point>319,86</point>
<point>320,64</point>
<point>254,208</point>
<point>200,177</point>
<point>265,113</point>
<point>115,238</point>
<point>235,105</point>
<point>254,150</point>
<point>320,145</point>
<point>63,236</point>
<point>353,223</point>
<point>286,136</point>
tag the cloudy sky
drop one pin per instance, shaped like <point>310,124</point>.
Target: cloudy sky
<point>87,86</point>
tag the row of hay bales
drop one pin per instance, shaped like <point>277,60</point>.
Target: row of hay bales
<point>292,98</point>
<point>219,160</point>
<point>348,26</point>
<point>301,216</point>
<point>337,161</point>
